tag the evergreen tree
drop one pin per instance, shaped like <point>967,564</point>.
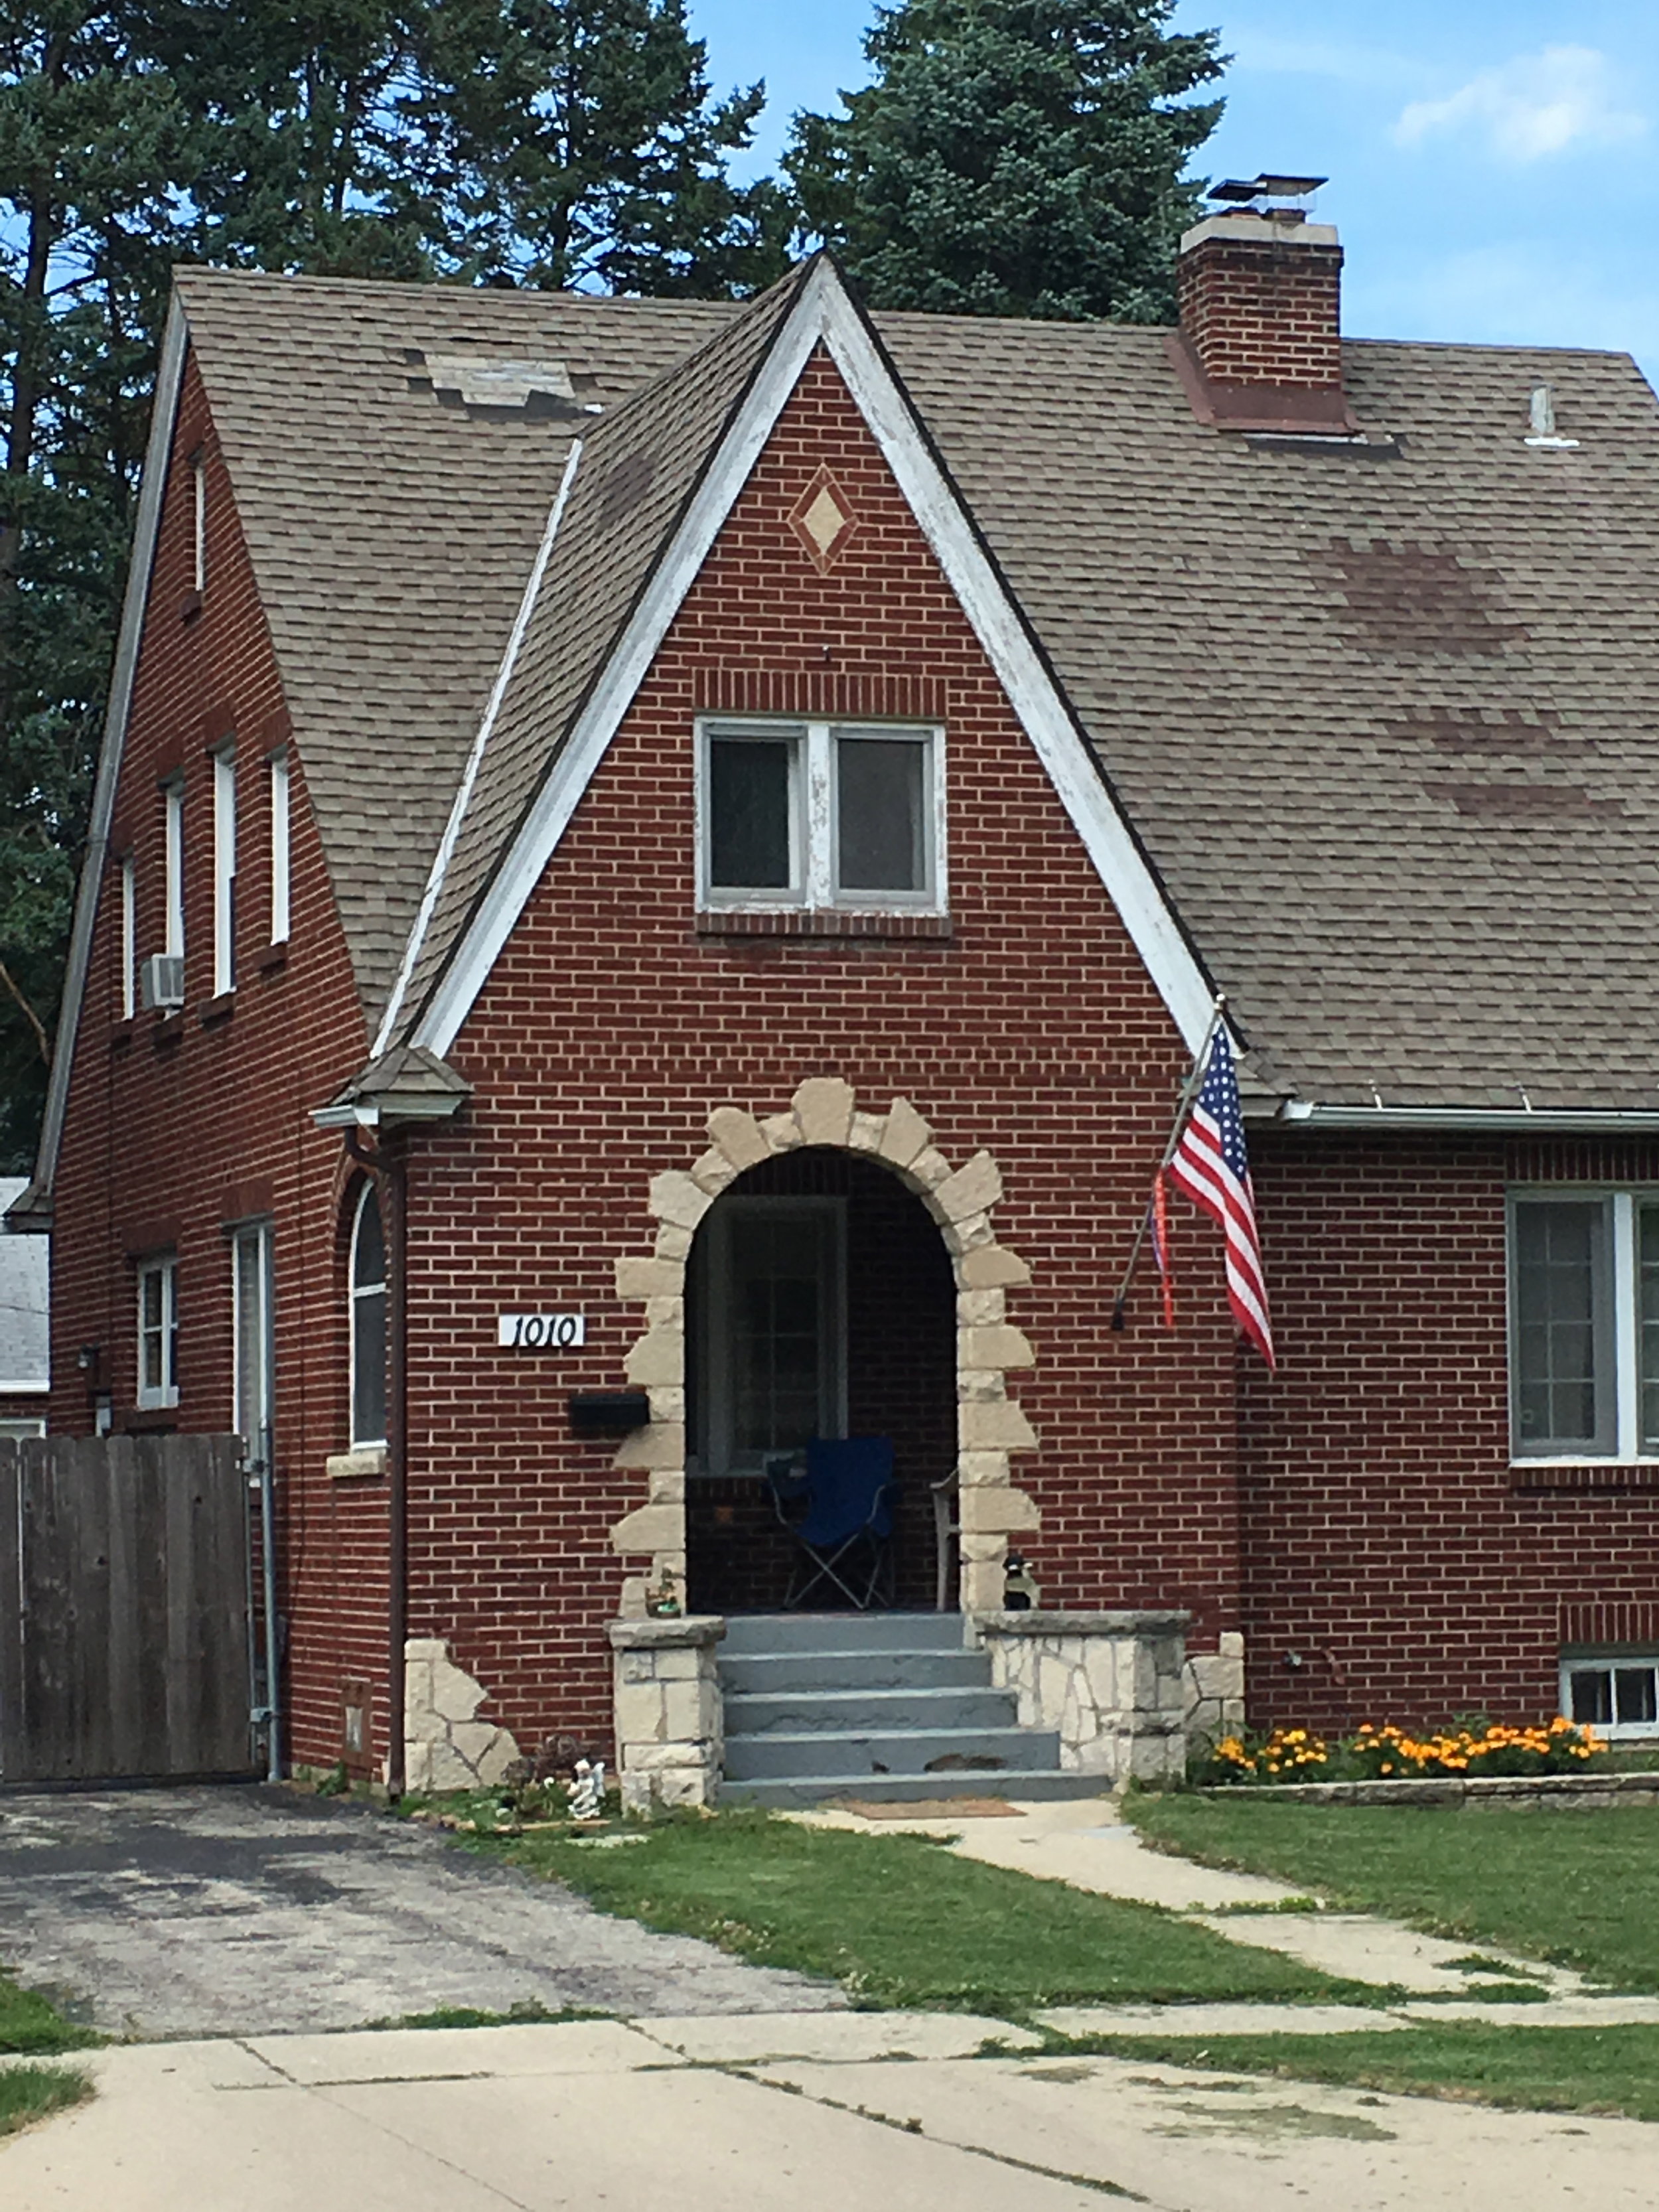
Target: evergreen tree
<point>1014,157</point>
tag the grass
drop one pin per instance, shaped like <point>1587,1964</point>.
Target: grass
<point>31,2092</point>
<point>1577,1886</point>
<point>898,1922</point>
<point>1606,2070</point>
<point>526,2014</point>
<point>31,2024</point>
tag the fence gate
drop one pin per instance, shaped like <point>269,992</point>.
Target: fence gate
<point>124,1608</point>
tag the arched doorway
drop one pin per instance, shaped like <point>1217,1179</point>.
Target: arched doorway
<point>820,1300</point>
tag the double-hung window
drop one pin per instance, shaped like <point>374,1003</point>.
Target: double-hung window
<point>279,849</point>
<point>174,869</point>
<point>224,872</point>
<point>1584,1324</point>
<point>251,1283</point>
<point>368,1319</point>
<point>158,1332</point>
<point>129,980</point>
<point>821,815</point>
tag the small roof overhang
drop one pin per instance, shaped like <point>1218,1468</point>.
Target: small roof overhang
<point>404,1087</point>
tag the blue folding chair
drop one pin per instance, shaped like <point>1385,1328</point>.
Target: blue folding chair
<point>840,1512</point>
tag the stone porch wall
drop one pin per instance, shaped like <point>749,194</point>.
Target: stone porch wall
<point>1113,1683</point>
<point>671,1715</point>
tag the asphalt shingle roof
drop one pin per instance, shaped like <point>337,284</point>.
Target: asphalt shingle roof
<point>1385,719</point>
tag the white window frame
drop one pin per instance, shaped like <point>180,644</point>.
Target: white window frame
<point>129,937</point>
<point>153,1396</point>
<point>1623,1326</point>
<point>173,855</point>
<point>713,1380</point>
<point>251,1392</point>
<point>16,1427</point>
<point>198,519</point>
<point>355,1291</point>
<point>814,830</point>
<point>1604,1661</point>
<point>224,871</point>
<point>281,888</point>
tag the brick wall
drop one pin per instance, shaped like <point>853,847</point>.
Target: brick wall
<point>1386,1541</point>
<point>612,1026</point>
<point>178,1126</point>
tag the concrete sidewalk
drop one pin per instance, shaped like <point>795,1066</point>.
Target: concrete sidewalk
<point>775,2113</point>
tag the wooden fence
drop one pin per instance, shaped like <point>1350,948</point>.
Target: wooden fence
<point>124,1608</point>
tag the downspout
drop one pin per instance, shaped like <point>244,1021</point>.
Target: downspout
<point>389,1168</point>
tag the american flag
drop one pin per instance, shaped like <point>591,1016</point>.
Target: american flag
<point>1210,1164</point>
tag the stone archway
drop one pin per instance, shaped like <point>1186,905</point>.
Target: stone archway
<point>990,1425</point>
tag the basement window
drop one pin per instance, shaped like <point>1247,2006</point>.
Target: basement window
<point>820,815</point>
<point>1616,1693</point>
<point>1584,1324</point>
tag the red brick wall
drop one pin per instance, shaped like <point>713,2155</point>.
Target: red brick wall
<point>1385,1540</point>
<point>177,1126</point>
<point>1262,312</point>
<point>610,1028</point>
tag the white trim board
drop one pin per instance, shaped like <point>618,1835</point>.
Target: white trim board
<point>169,378</point>
<point>823,311</point>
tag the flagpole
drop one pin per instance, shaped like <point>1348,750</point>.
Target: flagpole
<point>1189,1091</point>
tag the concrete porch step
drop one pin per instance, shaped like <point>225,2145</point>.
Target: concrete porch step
<point>863,1711</point>
<point>765,1672</point>
<point>953,1752</point>
<point>747,1633</point>
<point>804,1789</point>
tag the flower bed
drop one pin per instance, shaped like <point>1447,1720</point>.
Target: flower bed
<point>1381,1754</point>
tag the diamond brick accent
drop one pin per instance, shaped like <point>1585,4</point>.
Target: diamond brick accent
<point>822,519</point>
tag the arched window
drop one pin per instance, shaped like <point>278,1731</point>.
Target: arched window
<point>367,1322</point>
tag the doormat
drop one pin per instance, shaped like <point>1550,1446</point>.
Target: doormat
<point>930,1809</point>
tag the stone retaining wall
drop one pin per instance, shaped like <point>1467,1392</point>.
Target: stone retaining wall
<point>1589,1790</point>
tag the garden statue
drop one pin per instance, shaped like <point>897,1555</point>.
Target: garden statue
<point>584,1796</point>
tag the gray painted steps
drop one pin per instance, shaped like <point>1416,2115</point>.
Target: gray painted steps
<point>863,1711</point>
<point>803,1789</point>
<point>973,1754</point>
<point>890,1706</point>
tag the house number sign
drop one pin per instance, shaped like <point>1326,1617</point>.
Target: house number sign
<point>541,1332</point>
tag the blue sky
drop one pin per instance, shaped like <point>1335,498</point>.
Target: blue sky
<point>1491,161</point>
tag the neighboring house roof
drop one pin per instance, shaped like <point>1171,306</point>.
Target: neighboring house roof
<point>24,1263</point>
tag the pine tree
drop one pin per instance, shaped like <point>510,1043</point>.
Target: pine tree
<point>1014,157</point>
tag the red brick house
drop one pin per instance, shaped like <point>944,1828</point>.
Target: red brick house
<point>675,857</point>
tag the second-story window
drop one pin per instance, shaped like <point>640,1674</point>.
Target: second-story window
<point>129,993</point>
<point>224,872</point>
<point>279,869</point>
<point>174,861</point>
<point>198,519</point>
<point>818,815</point>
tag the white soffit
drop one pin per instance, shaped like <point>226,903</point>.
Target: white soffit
<point>823,311</point>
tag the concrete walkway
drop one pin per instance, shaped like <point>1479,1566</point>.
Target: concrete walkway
<point>1086,1842</point>
<point>773,2112</point>
<point>244,1911</point>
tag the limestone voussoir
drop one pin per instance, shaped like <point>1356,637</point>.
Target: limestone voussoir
<point>999,1346</point>
<point>993,1425</point>
<point>675,1198</point>
<point>998,1511</point>
<point>905,1136</point>
<point>660,1445</point>
<point>824,1109</point>
<point>650,1278</point>
<point>713,1171</point>
<point>658,1357</point>
<point>992,1266</point>
<point>738,1134</point>
<point>649,1528</point>
<point>974,1189</point>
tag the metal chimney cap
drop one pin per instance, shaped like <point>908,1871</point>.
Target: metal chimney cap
<point>1265,186</point>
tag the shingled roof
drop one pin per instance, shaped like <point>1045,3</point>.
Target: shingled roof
<point>1382,715</point>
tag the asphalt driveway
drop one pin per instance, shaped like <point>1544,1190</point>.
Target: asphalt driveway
<point>240,1909</point>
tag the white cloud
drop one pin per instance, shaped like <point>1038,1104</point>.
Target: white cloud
<point>1535,105</point>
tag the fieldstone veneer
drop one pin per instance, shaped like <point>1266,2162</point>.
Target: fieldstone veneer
<point>990,1425</point>
<point>670,1736</point>
<point>1114,1684</point>
<point>446,1746</point>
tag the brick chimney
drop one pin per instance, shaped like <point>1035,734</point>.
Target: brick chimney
<point>1259,291</point>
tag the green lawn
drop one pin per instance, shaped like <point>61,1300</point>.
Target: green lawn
<point>898,1922</point>
<point>1578,1887</point>
<point>28,2023</point>
<point>1537,2070</point>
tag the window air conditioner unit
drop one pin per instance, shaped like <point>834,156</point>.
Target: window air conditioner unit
<point>161,980</point>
